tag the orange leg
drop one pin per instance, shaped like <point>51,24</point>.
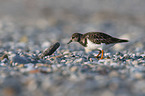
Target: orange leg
<point>98,54</point>
<point>102,54</point>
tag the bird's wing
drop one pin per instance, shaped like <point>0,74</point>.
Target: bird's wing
<point>98,38</point>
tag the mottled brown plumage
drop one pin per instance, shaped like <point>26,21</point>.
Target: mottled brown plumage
<point>99,37</point>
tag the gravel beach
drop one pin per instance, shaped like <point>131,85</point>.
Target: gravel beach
<point>27,69</point>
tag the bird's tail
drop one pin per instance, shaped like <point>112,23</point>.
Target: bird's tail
<point>122,40</point>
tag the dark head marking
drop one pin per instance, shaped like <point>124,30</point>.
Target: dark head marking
<point>75,38</point>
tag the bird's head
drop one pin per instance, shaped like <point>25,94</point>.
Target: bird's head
<point>75,38</point>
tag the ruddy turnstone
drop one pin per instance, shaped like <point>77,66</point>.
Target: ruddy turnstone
<point>95,41</point>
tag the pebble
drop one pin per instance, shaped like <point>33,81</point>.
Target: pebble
<point>138,75</point>
<point>27,67</point>
<point>135,62</point>
<point>80,60</point>
<point>20,66</point>
<point>50,50</point>
<point>73,68</point>
<point>113,74</point>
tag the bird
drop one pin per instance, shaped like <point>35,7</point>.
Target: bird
<point>96,41</point>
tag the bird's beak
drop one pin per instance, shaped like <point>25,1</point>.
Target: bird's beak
<point>69,42</point>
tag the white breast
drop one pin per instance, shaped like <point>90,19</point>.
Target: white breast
<point>92,46</point>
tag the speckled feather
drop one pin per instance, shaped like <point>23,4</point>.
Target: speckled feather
<point>99,37</point>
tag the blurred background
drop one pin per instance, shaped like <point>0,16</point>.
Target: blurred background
<point>41,22</point>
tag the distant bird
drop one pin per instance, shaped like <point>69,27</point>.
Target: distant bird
<point>95,41</point>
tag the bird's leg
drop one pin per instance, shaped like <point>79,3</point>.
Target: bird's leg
<point>98,54</point>
<point>102,54</point>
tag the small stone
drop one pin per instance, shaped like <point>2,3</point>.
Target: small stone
<point>135,62</point>
<point>94,60</point>
<point>66,52</point>
<point>80,60</point>
<point>69,61</point>
<point>107,62</point>
<point>114,64</point>
<point>20,65</point>
<point>34,71</point>
<point>63,61</point>
<point>59,56</point>
<point>126,56</point>
<point>107,54</point>
<point>113,74</point>
<point>138,75</point>
<point>73,68</point>
<point>27,67</point>
<point>46,70</point>
<point>41,65</point>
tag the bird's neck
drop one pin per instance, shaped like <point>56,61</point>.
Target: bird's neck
<point>82,41</point>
